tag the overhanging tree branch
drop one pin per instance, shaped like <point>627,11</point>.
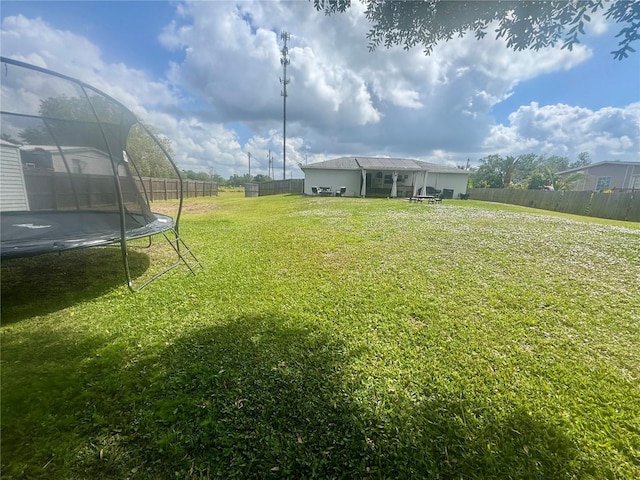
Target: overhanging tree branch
<point>524,24</point>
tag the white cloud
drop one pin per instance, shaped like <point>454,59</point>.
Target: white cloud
<point>199,145</point>
<point>36,42</point>
<point>233,62</point>
<point>608,133</point>
<point>196,143</point>
<point>223,99</point>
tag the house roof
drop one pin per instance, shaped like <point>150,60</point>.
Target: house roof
<point>56,149</point>
<point>342,163</point>
<point>381,163</point>
<point>591,165</point>
<point>7,143</point>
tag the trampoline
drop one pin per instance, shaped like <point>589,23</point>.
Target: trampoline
<point>71,159</point>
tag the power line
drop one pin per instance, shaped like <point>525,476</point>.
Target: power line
<point>284,60</point>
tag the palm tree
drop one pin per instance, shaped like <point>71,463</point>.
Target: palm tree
<point>570,181</point>
<point>566,183</point>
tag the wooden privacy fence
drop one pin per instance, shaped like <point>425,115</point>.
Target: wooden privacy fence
<point>293,185</point>
<point>168,188</point>
<point>615,206</point>
<point>49,190</point>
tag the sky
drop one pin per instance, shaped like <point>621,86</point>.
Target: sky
<point>206,74</point>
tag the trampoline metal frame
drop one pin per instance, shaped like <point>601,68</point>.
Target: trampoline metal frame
<point>184,254</point>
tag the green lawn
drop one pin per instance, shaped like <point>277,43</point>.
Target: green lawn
<point>332,338</point>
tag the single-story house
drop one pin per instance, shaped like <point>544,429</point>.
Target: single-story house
<point>601,176</point>
<point>384,177</point>
<point>68,159</point>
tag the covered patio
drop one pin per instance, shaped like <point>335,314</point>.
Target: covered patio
<point>399,178</point>
<point>384,177</point>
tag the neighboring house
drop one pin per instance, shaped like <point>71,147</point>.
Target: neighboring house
<point>384,177</point>
<point>604,176</point>
<point>46,177</point>
<point>68,159</point>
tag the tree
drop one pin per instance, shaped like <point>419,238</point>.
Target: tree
<point>489,174</point>
<point>8,138</point>
<point>148,157</point>
<point>555,163</point>
<point>524,24</point>
<point>527,164</point>
<point>562,183</point>
<point>583,160</point>
<point>546,172</point>
<point>529,170</point>
<point>262,178</point>
<point>238,181</point>
<point>191,175</point>
<point>536,181</point>
<point>568,182</point>
<point>219,179</point>
<point>502,172</point>
<point>71,121</point>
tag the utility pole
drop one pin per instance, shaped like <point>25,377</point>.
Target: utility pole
<point>249,154</point>
<point>270,171</point>
<point>284,60</point>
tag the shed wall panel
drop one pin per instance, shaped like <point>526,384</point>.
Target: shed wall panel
<point>12,186</point>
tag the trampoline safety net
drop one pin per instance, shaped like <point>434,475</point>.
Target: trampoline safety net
<point>70,156</point>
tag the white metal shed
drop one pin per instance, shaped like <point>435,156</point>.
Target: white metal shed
<point>13,192</point>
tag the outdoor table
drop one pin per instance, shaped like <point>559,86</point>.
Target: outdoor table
<point>428,198</point>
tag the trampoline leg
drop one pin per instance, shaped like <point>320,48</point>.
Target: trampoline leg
<point>184,254</point>
<point>183,251</point>
<point>125,260</point>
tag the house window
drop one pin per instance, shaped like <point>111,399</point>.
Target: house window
<point>603,183</point>
<point>388,179</point>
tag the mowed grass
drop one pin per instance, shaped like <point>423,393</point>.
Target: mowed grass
<point>332,338</point>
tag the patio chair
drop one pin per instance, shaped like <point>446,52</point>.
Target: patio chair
<point>314,190</point>
<point>342,191</point>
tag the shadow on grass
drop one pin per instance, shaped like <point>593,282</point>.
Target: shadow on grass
<point>47,283</point>
<point>254,398</point>
<point>42,398</point>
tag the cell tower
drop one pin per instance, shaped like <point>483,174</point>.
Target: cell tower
<point>284,60</point>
